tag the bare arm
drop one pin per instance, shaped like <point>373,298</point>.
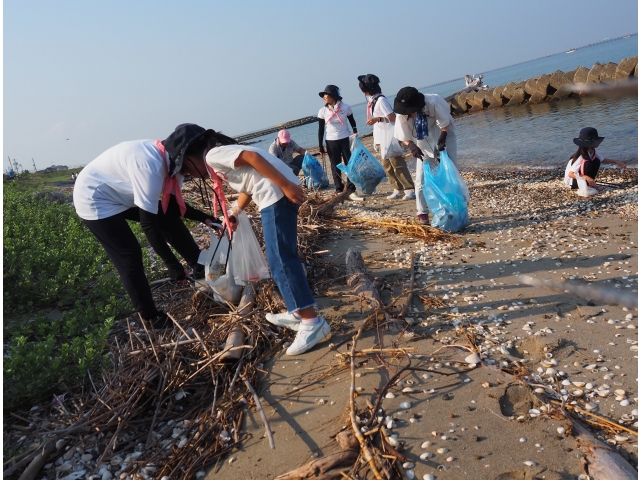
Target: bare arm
<point>609,161</point>
<point>301,151</point>
<point>252,159</point>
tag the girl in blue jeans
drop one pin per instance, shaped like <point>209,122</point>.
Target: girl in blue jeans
<point>259,176</point>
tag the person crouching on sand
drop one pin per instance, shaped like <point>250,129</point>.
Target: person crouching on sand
<point>586,161</point>
<point>379,111</point>
<point>259,176</point>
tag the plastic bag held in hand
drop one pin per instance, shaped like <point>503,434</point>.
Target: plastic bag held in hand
<point>446,194</point>
<point>314,176</point>
<point>363,169</point>
<point>247,259</point>
<point>219,271</point>
<point>389,146</point>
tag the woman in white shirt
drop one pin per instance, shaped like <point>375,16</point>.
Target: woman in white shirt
<point>334,116</point>
<point>424,123</point>
<point>379,111</point>
<point>126,183</point>
<point>585,162</point>
<point>259,176</point>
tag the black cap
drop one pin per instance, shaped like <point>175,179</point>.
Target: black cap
<point>332,91</point>
<point>408,100</point>
<point>588,138</point>
<point>370,83</point>
<point>178,142</point>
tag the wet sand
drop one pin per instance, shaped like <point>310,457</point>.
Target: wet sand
<point>477,420</point>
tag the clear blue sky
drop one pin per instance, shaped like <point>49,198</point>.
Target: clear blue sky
<point>82,76</point>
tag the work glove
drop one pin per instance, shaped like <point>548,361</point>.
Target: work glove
<point>321,148</point>
<point>415,150</point>
<point>442,140</point>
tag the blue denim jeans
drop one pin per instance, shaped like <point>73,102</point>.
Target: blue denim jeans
<point>280,230</point>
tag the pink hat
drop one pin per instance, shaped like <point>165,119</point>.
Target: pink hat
<point>283,136</point>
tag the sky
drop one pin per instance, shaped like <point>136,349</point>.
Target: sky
<point>80,76</point>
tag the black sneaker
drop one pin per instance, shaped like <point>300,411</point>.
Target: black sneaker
<point>161,321</point>
<point>198,272</point>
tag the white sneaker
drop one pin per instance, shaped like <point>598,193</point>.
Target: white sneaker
<point>355,197</point>
<point>286,320</point>
<point>309,336</point>
<point>394,195</point>
<point>409,195</point>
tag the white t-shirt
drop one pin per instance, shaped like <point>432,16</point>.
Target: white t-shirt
<point>333,128</point>
<point>130,174</point>
<point>438,114</point>
<point>575,168</point>
<point>247,179</point>
<point>382,108</point>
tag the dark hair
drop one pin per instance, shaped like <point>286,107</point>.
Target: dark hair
<point>581,152</point>
<point>208,141</point>
<point>370,88</point>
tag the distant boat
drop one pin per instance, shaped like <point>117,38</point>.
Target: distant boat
<point>571,50</point>
<point>626,36</point>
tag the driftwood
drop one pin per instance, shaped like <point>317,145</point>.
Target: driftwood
<point>599,293</point>
<point>340,198</point>
<point>359,278</point>
<point>320,468</point>
<point>38,462</point>
<point>603,463</point>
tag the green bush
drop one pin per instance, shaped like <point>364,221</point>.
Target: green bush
<point>51,259</point>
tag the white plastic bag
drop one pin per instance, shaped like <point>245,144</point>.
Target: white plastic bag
<point>249,264</point>
<point>584,190</point>
<point>219,270</point>
<point>389,146</point>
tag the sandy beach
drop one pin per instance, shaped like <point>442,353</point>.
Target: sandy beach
<point>463,420</point>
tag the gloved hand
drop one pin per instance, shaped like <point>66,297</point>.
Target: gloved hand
<point>177,272</point>
<point>321,148</point>
<point>415,150</point>
<point>442,140</point>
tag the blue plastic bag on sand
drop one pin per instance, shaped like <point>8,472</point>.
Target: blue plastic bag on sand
<point>446,194</point>
<point>364,171</point>
<point>314,176</point>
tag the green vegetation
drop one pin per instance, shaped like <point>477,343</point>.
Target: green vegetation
<point>28,181</point>
<point>51,261</point>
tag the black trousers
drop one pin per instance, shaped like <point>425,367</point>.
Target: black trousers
<point>591,169</point>
<point>338,150</point>
<point>122,247</point>
<point>296,164</point>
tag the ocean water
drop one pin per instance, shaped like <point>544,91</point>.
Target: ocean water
<point>528,135</point>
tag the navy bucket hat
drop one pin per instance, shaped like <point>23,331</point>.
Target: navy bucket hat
<point>332,91</point>
<point>370,83</point>
<point>408,100</point>
<point>179,141</point>
<point>588,138</point>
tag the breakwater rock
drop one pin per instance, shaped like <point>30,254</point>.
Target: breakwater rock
<point>545,88</point>
<point>276,128</point>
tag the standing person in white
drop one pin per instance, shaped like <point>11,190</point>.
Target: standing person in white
<point>379,111</point>
<point>334,116</point>
<point>424,123</point>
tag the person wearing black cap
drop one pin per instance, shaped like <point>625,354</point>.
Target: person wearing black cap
<point>424,123</point>
<point>140,180</point>
<point>379,111</point>
<point>585,163</point>
<point>334,116</point>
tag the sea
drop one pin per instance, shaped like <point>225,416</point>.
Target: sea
<point>528,136</point>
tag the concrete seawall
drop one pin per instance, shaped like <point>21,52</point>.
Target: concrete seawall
<point>545,88</point>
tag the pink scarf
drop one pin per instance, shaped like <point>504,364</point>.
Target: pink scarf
<point>218,193</point>
<point>334,113</point>
<point>170,183</point>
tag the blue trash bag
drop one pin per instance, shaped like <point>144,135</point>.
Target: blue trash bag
<point>447,195</point>
<point>314,176</point>
<point>364,171</point>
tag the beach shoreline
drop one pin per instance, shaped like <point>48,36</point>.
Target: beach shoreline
<point>528,224</point>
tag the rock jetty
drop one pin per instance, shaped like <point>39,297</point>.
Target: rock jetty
<point>545,88</point>
<point>291,124</point>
